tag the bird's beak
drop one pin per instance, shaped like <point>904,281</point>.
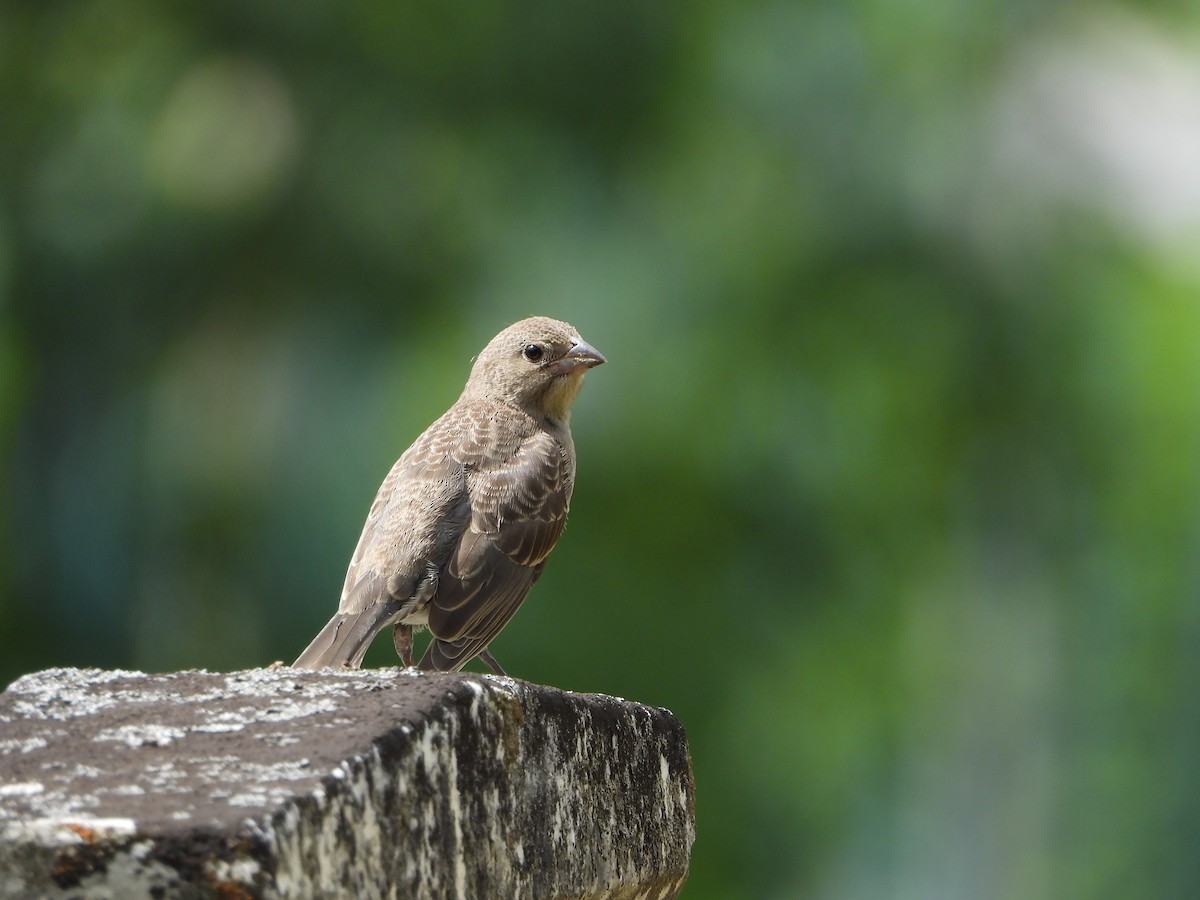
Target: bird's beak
<point>582,356</point>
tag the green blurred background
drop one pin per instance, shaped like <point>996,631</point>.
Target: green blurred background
<point>890,489</point>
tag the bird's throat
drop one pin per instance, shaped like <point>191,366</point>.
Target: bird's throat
<point>556,403</point>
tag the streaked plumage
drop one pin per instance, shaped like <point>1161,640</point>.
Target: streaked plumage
<point>462,525</point>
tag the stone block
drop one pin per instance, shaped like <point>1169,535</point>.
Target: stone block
<point>375,783</point>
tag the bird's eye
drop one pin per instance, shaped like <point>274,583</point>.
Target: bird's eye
<point>533,352</point>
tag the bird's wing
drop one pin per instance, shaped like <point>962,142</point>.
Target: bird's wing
<point>518,510</point>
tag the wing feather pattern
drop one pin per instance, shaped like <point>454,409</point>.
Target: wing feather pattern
<point>518,510</point>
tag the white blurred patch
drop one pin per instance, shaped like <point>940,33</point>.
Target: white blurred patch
<point>1107,117</point>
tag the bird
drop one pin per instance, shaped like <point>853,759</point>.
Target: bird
<point>464,522</point>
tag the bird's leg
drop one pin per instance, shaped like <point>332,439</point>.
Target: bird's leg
<point>402,638</point>
<point>490,662</point>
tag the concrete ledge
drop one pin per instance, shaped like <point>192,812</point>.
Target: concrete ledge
<point>377,783</point>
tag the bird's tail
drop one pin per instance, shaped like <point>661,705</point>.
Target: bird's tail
<point>344,641</point>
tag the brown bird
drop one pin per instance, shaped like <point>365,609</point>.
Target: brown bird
<point>462,525</point>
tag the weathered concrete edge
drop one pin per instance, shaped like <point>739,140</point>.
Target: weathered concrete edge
<point>307,839</point>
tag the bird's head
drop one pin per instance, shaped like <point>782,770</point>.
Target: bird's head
<point>536,364</point>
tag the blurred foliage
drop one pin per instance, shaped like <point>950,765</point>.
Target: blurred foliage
<point>890,490</point>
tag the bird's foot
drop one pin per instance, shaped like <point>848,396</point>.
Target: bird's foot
<point>490,662</point>
<point>403,639</point>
